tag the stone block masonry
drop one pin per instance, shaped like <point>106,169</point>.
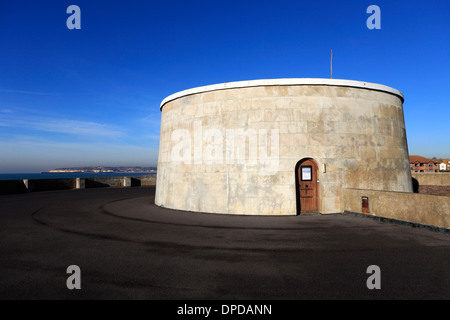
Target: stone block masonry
<point>36,185</point>
<point>421,209</point>
<point>233,148</point>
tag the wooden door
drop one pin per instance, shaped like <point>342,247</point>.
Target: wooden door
<point>308,186</point>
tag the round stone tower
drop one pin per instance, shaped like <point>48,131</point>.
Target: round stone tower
<point>280,146</point>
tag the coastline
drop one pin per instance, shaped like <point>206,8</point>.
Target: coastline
<point>68,175</point>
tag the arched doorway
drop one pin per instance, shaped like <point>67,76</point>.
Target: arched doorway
<point>307,186</point>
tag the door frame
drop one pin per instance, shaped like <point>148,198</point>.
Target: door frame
<point>297,184</point>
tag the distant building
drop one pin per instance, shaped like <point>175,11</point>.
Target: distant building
<point>444,165</point>
<point>422,164</point>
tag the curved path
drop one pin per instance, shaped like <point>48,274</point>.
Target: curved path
<point>128,248</point>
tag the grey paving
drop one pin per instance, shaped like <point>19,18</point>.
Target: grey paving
<point>128,248</point>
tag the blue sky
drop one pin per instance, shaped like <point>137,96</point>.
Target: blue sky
<point>92,96</point>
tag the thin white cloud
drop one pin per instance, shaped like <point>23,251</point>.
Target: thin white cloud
<point>39,93</point>
<point>151,137</point>
<point>66,126</point>
<point>37,143</point>
<point>38,154</point>
<point>152,124</point>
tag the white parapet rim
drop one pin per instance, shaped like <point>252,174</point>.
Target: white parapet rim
<point>284,82</point>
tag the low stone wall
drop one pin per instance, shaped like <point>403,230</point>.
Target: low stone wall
<point>432,178</point>
<point>49,184</point>
<point>422,209</point>
<point>12,186</point>
<point>102,182</point>
<point>145,181</point>
<point>435,190</point>
<point>36,185</point>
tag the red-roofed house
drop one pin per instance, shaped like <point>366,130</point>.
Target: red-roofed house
<point>422,164</point>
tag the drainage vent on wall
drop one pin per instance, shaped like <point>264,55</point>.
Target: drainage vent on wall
<point>365,205</point>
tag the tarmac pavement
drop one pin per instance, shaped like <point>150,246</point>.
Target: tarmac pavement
<point>128,248</point>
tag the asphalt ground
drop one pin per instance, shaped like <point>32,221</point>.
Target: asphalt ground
<point>128,248</point>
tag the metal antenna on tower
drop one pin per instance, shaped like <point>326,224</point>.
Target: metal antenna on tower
<point>331,64</point>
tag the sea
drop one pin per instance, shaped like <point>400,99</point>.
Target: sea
<point>67,175</point>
